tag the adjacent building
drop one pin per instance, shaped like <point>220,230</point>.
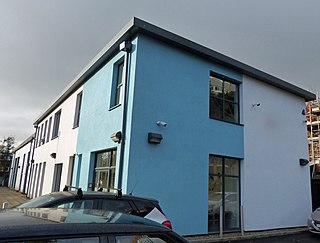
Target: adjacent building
<point>161,116</point>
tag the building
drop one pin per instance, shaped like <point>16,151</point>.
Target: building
<point>161,116</point>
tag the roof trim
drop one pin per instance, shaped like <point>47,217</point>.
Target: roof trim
<point>135,26</point>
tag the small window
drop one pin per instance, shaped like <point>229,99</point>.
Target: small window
<point>224,99</point>
<point>40,135</point>
<point>45,132</point>
<point>117,83</point>
<point>77,111</point>
<point>56,123</point>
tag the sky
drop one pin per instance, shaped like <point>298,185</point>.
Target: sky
<point>45,44</point>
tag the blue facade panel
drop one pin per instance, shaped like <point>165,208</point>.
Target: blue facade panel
<point>97,122</point>
<point>173,86</point>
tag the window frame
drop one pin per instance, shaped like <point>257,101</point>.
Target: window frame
<point>224,79</point>
<point>105,168</point>
<point>117,83</point>
<point>77,111</point>
<point>56,124</point>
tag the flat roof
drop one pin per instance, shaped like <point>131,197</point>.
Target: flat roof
<point>136,26</point>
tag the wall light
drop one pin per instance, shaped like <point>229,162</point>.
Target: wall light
<point>303,162</point>
<point>53,155</point>
<point>116,137</point>
<point>154,138</point>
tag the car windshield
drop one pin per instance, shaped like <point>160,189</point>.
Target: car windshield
<point>39,201</point>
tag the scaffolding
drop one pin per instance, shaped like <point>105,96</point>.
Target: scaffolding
<point>313,126</point>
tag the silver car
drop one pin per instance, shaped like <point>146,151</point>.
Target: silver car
<point>314,222</point>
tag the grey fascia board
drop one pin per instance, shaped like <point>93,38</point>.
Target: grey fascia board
<point>217,57</point>
<point>137,25</point>
<point>28,140</point>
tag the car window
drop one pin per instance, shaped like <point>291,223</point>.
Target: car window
<point>69,240</point>
<point>143,207</point>
<point>78,204</point>
<point>116,205</point>
<point>39,201</point>
<point>143,239</point>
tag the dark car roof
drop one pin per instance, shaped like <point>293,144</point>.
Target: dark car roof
<point>102,194</point>
<point>30,222</point>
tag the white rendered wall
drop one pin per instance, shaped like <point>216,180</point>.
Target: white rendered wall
<point>275,188</point>
<point>64,145</point>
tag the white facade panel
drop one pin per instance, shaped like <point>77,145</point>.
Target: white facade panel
<point>275,188</point>
<point>64,146</point>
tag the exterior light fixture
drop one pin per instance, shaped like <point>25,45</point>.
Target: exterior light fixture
<point>154,138</point>
<point>53,155</point>
<point>125,46</point>
<point>116,137</point>
<point>303,162</point>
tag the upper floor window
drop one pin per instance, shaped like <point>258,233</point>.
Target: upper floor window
<point>56,123</point>
<point>77,110</point>
<point>117,83</point>
<point>224,99</point>
<point>49,129</point>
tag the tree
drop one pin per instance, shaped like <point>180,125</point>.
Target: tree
<point>6,152</point>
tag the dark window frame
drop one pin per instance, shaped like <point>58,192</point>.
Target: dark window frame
<point>77,111</point>
<point>107,168</point>
<point>117,83</point>
<point>224,100</point>
<point>49,129</point>
<point>56,124</point>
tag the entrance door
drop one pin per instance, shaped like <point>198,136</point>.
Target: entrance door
<point>56,178</point>
<point>223,194</point>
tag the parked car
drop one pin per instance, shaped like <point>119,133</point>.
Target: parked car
<point>314,222</point>
<point>80,225</point>
<point>143,207</point>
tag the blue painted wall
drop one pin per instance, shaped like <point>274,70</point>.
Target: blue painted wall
<point>170,85</point>
<point>173,86</point>
<point>97,122</point>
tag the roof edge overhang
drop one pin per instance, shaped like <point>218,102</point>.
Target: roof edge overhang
<point>137,25</point>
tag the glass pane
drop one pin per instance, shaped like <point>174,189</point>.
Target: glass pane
<point>230,91</point>
<point>231,112</point>
<point>216,106</point>
<point>114,158</point>
<point>231,203</point>
<point>102,179</point>
<point>112,177</point>
<point>231,167</point>
<point>216,86</point>
<point>143,238</point>
<point>215,165</point>
<point>214,203</point>
<point>103,159</point>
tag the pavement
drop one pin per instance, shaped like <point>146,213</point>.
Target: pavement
<point>14,198</point>
<point>11,196</point>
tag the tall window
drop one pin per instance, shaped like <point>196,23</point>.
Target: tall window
<point>223,193</point>
<point>40,135</point>
<point>56,123</point>
<point>49,129</point>
<point>45,132</point>
<point>77,110</point>
<point>105,170</point>
<point>117,83</point>
<point>224,99</point>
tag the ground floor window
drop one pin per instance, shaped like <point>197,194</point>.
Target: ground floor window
<point>105,170</point>
<point>224,193</point>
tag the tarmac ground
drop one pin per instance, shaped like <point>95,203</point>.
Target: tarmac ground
<point>14,198</point>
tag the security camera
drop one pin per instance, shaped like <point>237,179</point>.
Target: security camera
<point>161,123</point>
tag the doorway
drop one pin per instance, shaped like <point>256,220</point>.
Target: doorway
<point>223,194</point>
<point>56,178</point>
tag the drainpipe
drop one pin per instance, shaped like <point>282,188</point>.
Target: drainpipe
<point>124,46</point>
